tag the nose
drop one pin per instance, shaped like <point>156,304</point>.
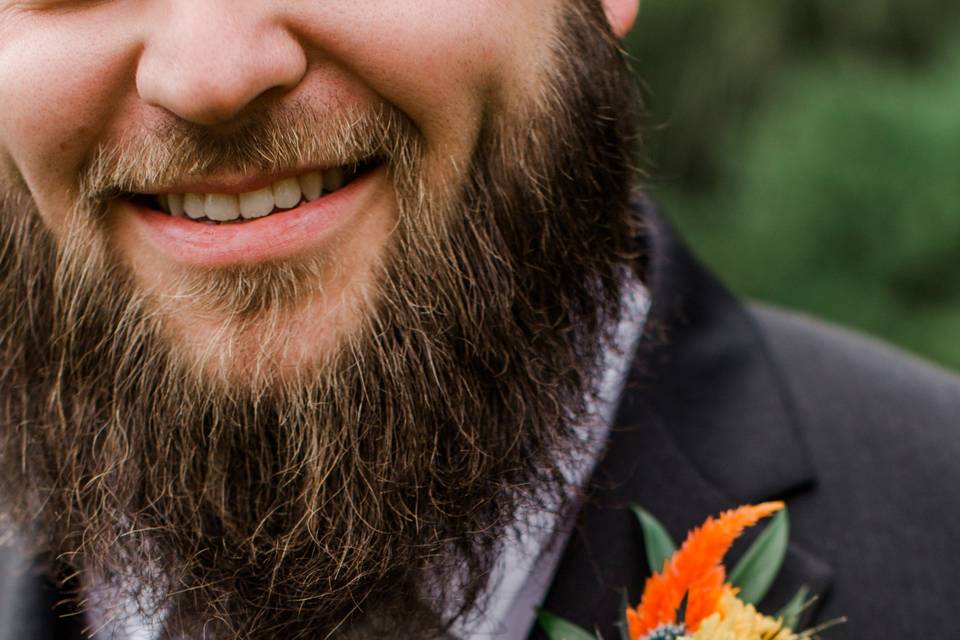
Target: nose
<point>207,60</point>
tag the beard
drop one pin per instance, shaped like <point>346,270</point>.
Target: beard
<point>375,484</point>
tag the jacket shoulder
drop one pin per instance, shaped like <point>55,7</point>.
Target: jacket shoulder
<point>882,432</point>
<point>845,382</point>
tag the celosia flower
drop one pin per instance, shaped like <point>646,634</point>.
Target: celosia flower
<point>695,572</point>
<point>690,599</point>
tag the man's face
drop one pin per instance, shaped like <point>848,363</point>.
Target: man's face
<point>345,394</point>
<point>81,78</point>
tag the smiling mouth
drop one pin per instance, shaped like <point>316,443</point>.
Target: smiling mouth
<point>239,207</point>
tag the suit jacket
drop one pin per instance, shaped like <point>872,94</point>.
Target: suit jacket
<point>729,403</point>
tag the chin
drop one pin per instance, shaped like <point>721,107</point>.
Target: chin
<point>271,337</point>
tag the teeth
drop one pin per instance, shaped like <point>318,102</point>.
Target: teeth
<point>256,204</point>
<point>312,185</point>
<point>222,207</point>
<point>174,202</point>
<point>283,194</point>
<point>193,204</point>
<point>333,179</point>
<point>287,194</point>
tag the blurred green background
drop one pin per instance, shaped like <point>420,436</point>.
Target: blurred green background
<point>810,152</point>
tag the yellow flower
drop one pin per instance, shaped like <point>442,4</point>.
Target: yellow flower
<point>735,620</point>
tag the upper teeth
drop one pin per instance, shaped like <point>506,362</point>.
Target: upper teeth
<point>282,194</point>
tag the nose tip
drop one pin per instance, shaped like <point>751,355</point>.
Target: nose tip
<point>210,75</point>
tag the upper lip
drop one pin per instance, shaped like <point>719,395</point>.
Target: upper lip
<point>233,183</point>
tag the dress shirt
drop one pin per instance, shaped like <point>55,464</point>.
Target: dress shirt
<point>528,560</point>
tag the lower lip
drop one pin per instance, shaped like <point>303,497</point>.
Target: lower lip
<point>277,236</point>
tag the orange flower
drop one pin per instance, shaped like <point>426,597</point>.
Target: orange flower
<point>695,570</point>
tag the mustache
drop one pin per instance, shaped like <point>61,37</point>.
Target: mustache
<point>288,137</point>
<point>283,139</point>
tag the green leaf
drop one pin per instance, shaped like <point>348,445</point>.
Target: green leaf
<point>557,628</point>
<point>756,571</point>
<point>658,543</point>
<point>791,612</point>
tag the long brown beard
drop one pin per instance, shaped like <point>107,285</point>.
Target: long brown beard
<point>296,507</point>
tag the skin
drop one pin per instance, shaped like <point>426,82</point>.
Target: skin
<point>78,73</point>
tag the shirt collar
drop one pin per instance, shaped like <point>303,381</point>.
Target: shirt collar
<point>529,557</point>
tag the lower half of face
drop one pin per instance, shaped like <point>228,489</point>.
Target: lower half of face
<point>421,340</point>
<point>264,243</point>
<point>268,281</point>
<point>306,276</point>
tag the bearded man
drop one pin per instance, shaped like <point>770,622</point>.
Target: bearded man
<point>344,319</point>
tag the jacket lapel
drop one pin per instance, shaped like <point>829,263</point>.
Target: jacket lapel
<point>703,425</point>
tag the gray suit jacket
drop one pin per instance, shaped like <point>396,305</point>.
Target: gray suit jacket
<point>730,403</point>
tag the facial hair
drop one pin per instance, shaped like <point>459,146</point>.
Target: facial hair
<point>337,499</point>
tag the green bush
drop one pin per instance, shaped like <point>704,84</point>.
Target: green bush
<point>809,150</point>
<point>843,198</point>
<point>708,63</point>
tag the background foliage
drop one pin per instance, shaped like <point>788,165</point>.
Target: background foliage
<point>810,151</point>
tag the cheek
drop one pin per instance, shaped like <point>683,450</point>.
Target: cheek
<point>441,62</point>
<point>59,82</point>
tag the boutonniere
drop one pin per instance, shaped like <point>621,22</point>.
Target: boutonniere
<point>693,598</point>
